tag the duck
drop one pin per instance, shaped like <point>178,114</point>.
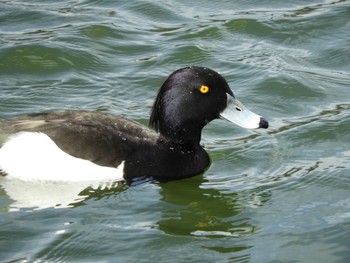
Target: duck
<point>73,145</point>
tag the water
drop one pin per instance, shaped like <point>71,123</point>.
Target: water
<point>280,195</point>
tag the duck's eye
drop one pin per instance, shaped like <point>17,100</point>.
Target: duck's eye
<point>204,89</point>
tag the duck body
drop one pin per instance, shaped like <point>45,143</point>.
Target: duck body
<point>189,99</point>
<point>108,140</point>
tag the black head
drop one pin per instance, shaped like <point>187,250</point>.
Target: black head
<point>189,99</point>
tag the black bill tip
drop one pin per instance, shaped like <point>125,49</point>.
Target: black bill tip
<point>263,123</point>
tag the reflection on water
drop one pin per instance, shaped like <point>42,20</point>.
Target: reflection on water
<point>34,195</point>
<point>209,215</point>
<point>196,212</point>
<point>187,210</point>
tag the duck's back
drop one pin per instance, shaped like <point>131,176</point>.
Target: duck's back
<point>104,139</point>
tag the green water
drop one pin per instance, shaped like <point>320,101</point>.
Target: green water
<point>281,195</point>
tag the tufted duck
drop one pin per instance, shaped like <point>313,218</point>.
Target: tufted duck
<point>83,145</point>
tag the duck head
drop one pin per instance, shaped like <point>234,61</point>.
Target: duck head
<point>190,98</point>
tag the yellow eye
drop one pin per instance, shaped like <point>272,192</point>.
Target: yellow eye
<point>204,89</point>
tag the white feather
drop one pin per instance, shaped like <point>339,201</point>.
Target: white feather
<point>34,156</point>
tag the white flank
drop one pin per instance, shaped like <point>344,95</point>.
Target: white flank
<point>34,156</point>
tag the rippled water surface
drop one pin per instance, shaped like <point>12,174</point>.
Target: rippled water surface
<point>280,195</point>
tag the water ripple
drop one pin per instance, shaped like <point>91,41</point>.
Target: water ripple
<point>265,190</point>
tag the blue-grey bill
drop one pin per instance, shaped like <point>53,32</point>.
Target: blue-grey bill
<point>237,113</point>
